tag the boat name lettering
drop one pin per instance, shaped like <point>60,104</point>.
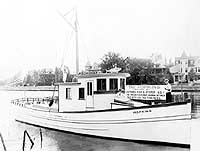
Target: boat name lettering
<point>141,111</point>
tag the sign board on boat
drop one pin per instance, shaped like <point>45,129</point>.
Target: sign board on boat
<point>146,92</point>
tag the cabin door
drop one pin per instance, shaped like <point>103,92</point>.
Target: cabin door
<point>90,94</point>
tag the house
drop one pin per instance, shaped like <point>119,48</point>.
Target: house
<point>186,68</point>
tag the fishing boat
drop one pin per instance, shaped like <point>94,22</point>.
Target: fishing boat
<point>94,106</point>
<point>103,105</point>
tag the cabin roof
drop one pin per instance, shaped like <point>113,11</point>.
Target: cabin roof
<point>104,75</point>
<point>68,83</point>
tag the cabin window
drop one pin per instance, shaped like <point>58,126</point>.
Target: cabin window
<point>101,84</point>
<point>81,93</point>
<point>186,77</point>
<point>176,77</point>
<point>68,93</point>
<point>122,83</point>
<point>113,84</point>
<point>89,88</point>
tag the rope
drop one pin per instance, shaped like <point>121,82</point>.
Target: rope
<point>32,139</point>
<point>4,146</point>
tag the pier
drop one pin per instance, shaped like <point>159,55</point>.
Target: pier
<point>189,91</point>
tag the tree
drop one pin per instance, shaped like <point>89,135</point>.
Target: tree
<point>139,70</point>
<point>35,77</point>
<point>46,79</point>
<point>142,71</point>
<point>111,59</point>
<point>191,75</point>
<point>40,77</point>
<point>28,80</point>
<point>58,75</point>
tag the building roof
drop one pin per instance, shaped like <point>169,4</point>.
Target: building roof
<point>104,75</point>
<point>88,64</point>
<point>175,69</point>
<point>188,58</point>
<point>184,55</point>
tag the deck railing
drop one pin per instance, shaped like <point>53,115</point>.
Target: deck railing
<point>194,98</point>
<point>27,101</point>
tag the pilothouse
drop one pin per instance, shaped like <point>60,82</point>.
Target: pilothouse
<point>92,91</point>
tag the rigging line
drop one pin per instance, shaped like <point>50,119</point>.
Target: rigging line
<point>74,29</point>
<point>82,39</point>
<point>69,11</point>
<point>67,48</point>
<point>70,37</point>
<point>67,21</point>
<point>73,16</point>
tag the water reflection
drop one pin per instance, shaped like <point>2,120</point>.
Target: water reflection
<point>60,141</point>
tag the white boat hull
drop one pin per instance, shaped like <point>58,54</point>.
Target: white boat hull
<point>166,124</point>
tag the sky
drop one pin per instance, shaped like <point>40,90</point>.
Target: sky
<point>33,35</point>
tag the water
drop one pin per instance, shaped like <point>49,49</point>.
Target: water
<point>13,132</point>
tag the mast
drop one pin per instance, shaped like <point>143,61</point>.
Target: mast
<point>77,50</point>
<point>75,28</point>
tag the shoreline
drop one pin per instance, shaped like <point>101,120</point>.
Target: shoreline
<point>29,88</point>
<point>175,88</point>
<point>186,88</point>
